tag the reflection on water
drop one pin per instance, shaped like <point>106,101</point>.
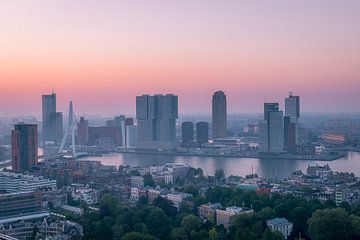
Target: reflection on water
<point>266,168</point>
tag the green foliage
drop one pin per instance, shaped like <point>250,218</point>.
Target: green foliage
<point>165,205</point>
<point>219,175</point>
<point>138,236</point>
<point>161,220</point>
<point>148,180</point>
<point>190,222</point>
<point>212,234</point>
<point>134,173</point>
<point>158,223</point>
<point>330,224</point>
<point>269,235</point>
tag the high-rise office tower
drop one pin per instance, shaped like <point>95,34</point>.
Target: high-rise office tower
<point>52,121</point>
<point>292,115</point>
<point>83,131</point>
<point>120,123</point>
<point>131,136</point>
<point>290,134</point>
<point>187,132</point>
<point>202,132</point>
<point>219,117</point>
<point>271,129</point>
<point>24,143</point>
<point>292,106</point>
<point>156,116</point>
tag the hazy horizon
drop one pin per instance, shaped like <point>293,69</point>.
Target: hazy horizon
<point>102,54</point>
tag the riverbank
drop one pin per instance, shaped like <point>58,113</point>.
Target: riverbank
<point>331,157</point>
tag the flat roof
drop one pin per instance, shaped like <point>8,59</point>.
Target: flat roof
<point>25,217</point>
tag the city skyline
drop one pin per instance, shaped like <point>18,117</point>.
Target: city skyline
<point>114,51</point>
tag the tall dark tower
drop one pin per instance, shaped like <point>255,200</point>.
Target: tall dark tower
<point>24,143</point>
<point>52,121</point>
<point>219,118</point>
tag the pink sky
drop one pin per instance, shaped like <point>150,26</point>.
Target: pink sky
<point>101,54</point>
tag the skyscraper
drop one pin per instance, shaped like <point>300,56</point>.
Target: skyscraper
<point>120,123</point>
<point>219,118</point>
<point>52,121</point>
<point>156,116</point>
<point>202,132</point>
<point>187,132</point>
<point>271,129</point>
<point>291,122</point>
<point>292,106</point>
<point>24,142</point>
<point>83,132</point>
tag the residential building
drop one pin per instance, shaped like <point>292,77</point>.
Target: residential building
<point>24,142</point>
<point>208,211</point>
<point>11,182</point>
<point>156,116</point>
<point>187,133</point>
<point>83,132</point>
<point>105,136</point>
<point>281,225</point>
<point>271,129</point>
<point>202,133</point>
<point>131,136</point>
<point>19,204</point>
<point>223,216</point>
<point>219,115</point>
<point>52,121</point>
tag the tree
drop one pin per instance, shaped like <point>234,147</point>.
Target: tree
<point>299,217</point>
<point>269,235</point>
<point>165,205</point>
<point>219,175</point>
<point>330,224</point>
<point>190,222</point>
<point>34,233</point>
<point>134,173</point>
<point>212,234</point>
<point>109,205</point>
<point>179,234</point>
<point>138,236</point>
<point>158,223</point>
<point>148,180</point>
<point>267,213</point>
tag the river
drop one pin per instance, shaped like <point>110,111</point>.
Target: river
<point>265,168</point>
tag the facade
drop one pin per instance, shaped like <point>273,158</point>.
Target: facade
<point>292,115</point>
<point>208,211</point>
<point>202,133</point>
<point>105,136</point>
<point>131,136</point>
<point>156,116</point>
<point>271,129</point>
<point>223,216</point>
<point>292,106</point>
<point>177,198</point>
<point>24,143</point>
<point>20,203</point>
<point>280,224</point>
<point>119,122</point>
<point>15,182</point>
<point>21,227</point>
<point>219,115</point>
<point>290,133</point>
<point>52,121</point>
<point>83,132</point>
<point>187,132</point>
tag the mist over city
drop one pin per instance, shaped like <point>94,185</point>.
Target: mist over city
<point>179,120</point>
